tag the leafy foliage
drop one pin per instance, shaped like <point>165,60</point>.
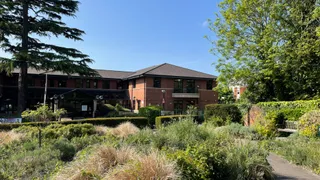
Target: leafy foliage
<point>150,112</point>
<point>20,32</point>
<point>42,113</point>
<point>270,46</point>
<point>222,114</point>
<point>309,123</point>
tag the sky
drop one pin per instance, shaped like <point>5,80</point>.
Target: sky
<point>130,35</point>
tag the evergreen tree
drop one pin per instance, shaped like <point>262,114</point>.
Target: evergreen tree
<point>22,22</point>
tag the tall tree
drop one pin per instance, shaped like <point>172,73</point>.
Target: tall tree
<point>22,22</point>
<point>272,46</point>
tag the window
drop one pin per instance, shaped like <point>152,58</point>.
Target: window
<point>87,83</point>
<point>31,81</point>
<point>178,86</point>
<point>134,83</point>
<point>119,84</point>
<point>191,86</point>
<point>42,83</point>
<point>134,104</point>
<point>106,84</point>
<point>139,104</point>
<point>79,83</point>
<point>62,83</point>
<point>157,82</point>
<point>95,84</point>
<point>210,85</point>
<point>52,83</point>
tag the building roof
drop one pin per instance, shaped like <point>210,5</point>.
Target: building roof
<point>171,71</point>
<point>164,70</point>
<point>109,74</point>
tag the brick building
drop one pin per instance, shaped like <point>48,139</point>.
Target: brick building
<point>238,91</point>
<point>167,85</point>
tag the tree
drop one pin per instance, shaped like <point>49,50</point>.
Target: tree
<point>225,95</point>
<point>272,46</point>
<point>22,23</point>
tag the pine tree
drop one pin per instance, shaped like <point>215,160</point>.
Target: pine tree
<point>22,22</point>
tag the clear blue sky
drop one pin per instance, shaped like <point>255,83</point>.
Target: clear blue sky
<point>134,34</point>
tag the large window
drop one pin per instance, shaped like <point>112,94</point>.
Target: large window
<point>106,84</point>
<point>88,83</point>
<point>95,84</point>
<point>157,82</point>
<point>79,83</point>
<point>209,85</point>
<point>52,83</point>
<point>42,83</point>
<point>62,83</point>
<point>31,81</point>
<point>191,88</point>
<point>178,86</point>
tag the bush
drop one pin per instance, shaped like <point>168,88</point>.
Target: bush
<point>67,150</point>
<point>163,120</point>
<point>292,114</point>
<point>111,122</point>
<point>309,123</point>
<point>308,105</point>
<point>150,112</point>
<point>267,126</point>
<point>42,113</point>
<point>239,131</point>
<point>222,114</point>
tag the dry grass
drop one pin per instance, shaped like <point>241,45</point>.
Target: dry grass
<point>102,130</point>
<point>98,164</point>
<point>9,136</point>
<point>124,130</point>
<point>152,166</point>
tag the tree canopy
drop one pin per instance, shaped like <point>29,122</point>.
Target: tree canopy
<point>271,46</point>
<point>23,23</point>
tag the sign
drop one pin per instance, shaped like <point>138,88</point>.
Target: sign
<point>10,120</point>
<point>84,108</point>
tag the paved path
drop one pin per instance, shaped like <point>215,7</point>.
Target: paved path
<point>286,171</point>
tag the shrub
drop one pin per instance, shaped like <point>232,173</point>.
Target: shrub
<point>35,164</point>
<point>42,113</point>
<point>309,123</point>
<point>124,130</point>
<point>119,108</point>
<point>8,137</point>
<point>151,166</point>
<point>75,130</point>
<point>163,120</point>
<point>239,131</point>
<point>180,134</point>
<point>67,150</point>
<point>267,126</point>
<point>150,112</point>
<point>301,104</point>
<point>99,163</point>
<point>111,122</point>
<point>292,114</point>
<point>222,114</point>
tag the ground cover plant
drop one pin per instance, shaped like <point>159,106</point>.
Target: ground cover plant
<point>297,149</point>
<point>180,150</point>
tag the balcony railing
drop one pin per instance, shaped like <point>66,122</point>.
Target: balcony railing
<point>186,93</point>
<point>185,90</point>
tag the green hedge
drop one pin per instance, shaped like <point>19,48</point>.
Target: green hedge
<point>150,112</point>
<point>160,120</point>
<point>222,113</point>
<point>301,104</point>
<point>111,122</point>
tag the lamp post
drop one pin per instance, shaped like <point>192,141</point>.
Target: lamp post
<point>45,90</point>
<point>163,98</point>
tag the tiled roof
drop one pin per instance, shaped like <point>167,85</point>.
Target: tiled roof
<point>110,74</point>
<point>172,71</point>
<point>165,69</point>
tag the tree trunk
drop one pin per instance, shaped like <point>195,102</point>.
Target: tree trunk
<point>22,82</point>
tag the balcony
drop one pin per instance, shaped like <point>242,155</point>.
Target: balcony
<point>186,93</point>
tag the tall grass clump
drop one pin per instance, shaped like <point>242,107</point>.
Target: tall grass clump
<point>9,136</point>
<point>124,130</point>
